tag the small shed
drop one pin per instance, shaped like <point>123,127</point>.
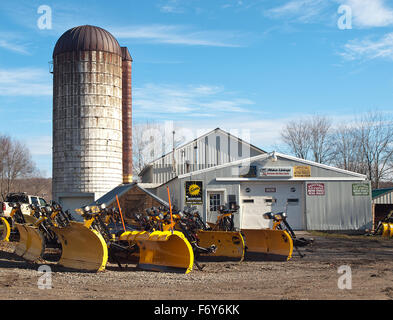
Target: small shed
<point>382,204</point>
<point>132,198</point>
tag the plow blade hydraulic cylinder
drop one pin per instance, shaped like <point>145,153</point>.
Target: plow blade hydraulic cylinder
<point>5,229</point>
<point>82,248</point>
<point>229,244</point>
<point>162,250</point>
<point>275,244</point>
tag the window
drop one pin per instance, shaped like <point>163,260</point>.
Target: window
<point>248,201</point>
<point>214,201</point>
<point>239,148</point>
<point>206,152</point>
<point>42,202</point>
<point>34,200</point>
<point>218,150</point>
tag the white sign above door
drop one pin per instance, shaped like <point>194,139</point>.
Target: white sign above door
<point>279,172</point>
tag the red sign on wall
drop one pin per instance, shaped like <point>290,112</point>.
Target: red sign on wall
<point>315,189</point>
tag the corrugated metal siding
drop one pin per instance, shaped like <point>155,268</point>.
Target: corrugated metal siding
<point>214,149</point>
<point>386,198</point>
<point>338,209</point>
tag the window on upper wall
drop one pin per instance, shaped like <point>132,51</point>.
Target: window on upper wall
<point>239,148</point>
<point>206,151</point>
<point>218,150</point>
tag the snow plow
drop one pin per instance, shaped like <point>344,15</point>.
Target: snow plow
<point>162,250</point>
<point>102,238</point>
<point>206,244</point>
<point>5,229</point>
<point>89,245</point>
<point>385,226</point>
<point>276,243</point>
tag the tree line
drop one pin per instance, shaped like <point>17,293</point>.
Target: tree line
<point>18,172</point>
<point>363,144</point>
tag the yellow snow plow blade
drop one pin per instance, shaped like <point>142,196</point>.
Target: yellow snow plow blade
<point>162,250</point>
<point>387,229</point>
<point>82,248</point>
<point>24,240</point>
<point>5,229</point>
<point>29,219</point>
<point>31,242</point>
<point>229,244</point>
<point>274,243</point>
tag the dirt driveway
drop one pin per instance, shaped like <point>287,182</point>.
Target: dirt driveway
<point>313,277</point>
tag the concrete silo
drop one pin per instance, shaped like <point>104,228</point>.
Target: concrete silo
<point>88,115</point>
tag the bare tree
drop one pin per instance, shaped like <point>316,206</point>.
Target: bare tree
<point>296,136</point>
<point>320,139</point>
<point>309,138</point>
<point>347,150</point>
<point>15,162</point>
<point>375,133</point>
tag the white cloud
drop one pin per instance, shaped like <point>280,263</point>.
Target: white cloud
<point>300,10</point>
<point>186,100</point>
<point>171,6</point>
<point>370,13</point>
<point>25,82</point>
<point>40,145</point>
<point>13,47</point>
<point>367,49</point>
<point>172,34</point>
<point>365,13</point>
<point>13,42</point>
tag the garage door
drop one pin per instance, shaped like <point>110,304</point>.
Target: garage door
<point>258,198</point>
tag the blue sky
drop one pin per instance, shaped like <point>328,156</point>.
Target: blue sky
<point>249,65</point>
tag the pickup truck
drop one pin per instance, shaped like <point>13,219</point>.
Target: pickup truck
<point>24,199</point>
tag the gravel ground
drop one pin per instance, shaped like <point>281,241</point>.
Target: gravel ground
<point>313,277</point>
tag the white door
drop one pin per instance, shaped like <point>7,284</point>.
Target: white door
<point>258,198</point>
<point>214,200</point>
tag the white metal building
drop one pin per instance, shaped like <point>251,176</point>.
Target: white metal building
<point>211,149</point>
<point>315,196</point>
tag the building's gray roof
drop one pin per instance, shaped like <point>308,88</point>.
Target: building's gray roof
<point>110,197</point>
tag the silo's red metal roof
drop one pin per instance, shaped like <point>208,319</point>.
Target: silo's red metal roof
<point>87,38</point>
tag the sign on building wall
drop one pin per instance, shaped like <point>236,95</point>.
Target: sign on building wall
<point>315,189</point>
<point>301,171</point>
<point>193,191</point>
<point>280,172</point>
<point>360,189</point>
<point>271,189</point>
